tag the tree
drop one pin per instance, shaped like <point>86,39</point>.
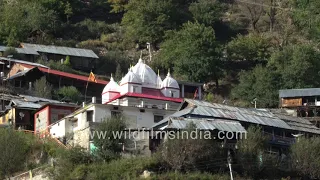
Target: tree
<point>250,151</point>
<point>147,20</point>
<point>305,17</point>
<point>22,19</point>
<point>193,53</point>
<point>207,11</point>
<point>109,147</point>
<point>69,93</point>
<point>187,149</point>
<point>252,47</point>
<point>118,5</point>
<point>305,157</point>
<point>250,12</point>
<point>13,152</point>
<point>68,161</point>
<point>12,51</point>
<point>42,88</point>
<point>298,66</point>
<point>261,83</point>
<point>67,61</point>
<point>118,74</point>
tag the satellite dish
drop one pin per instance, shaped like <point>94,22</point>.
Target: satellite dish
<point>21,114</point>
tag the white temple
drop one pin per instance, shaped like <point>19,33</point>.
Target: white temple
<point>143,83</point>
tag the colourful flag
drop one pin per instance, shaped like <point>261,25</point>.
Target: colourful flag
<point>92,77</point>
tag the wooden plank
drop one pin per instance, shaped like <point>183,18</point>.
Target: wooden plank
<point>293,102</point>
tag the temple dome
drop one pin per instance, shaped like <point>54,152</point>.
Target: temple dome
<point>130,77</point>
<point>111,86</point>
<point>169,82</point>
<point>147,75</point>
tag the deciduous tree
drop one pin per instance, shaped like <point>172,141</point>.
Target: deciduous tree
<point>193,53</point>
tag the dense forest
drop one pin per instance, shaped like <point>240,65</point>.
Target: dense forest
<point>241,49</point>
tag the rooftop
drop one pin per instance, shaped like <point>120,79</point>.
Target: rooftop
<point>299,92</point>
<point>202,109</point>
<point>67,51</point>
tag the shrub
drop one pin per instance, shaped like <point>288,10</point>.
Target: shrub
<point>110,147</point>
<point>189,153</point>
<point>250,153</point>
<point>306,157</point>
<point>130,168</point>
<point>70,162</point>
<point>192,175</point>
<point>67,61</point>
<point>42,88</point>
<point>69,93</point>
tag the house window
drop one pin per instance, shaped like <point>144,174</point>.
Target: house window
<point>157,118</point>
<point>171,93</point>
<point>75,123</point>
<point>89,116</point>
<point>115,113</point>
<point>134,89</point>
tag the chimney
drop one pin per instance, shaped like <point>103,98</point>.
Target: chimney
<point>94,100</point>
<point>83,104</point>
<point>167,106</point>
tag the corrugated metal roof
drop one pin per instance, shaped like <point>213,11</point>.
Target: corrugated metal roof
<point>176,114</point>
<point>19,74</point>
<point>23,62</point>
<point>21,50</point>
<point>205,124</point>
<point>23,104</point>
<point>299,92</point>
<point>254,116</point>
<point>38,99</point>
<point>27,51</point>
<point>67,51</point>
<point>3,48</point>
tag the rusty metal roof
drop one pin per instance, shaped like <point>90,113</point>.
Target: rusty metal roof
<point>67,51</point>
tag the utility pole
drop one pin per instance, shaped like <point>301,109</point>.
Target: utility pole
<point>229,164</point>
<point>254,101</point>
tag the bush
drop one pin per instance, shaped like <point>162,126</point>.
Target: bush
<point>13,152</point>
<point>193,175</point>
<point>69,93</point>
<point>250,153</point>
<point>42,88</point>
<point>306,157</point>
<point>110,147</point>
<point>70,162</point>
<point>124,168</point>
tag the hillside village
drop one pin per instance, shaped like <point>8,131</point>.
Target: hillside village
<point>199,89</point>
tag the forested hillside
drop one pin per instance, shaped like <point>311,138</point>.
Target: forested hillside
<point>245,49</point>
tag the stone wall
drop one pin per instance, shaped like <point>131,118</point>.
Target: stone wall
<point>82,138</point>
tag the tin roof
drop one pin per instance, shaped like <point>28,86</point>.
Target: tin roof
<point>205,124</point>
<point>261,117</point>
<point>299,92</point>
<point>22,62</point>
<point>297,123</point>
<point>67,51</point>
<point>25,104</point>
<point>21,50</point>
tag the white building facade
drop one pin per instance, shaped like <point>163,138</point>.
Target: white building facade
<point>141,97</point>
